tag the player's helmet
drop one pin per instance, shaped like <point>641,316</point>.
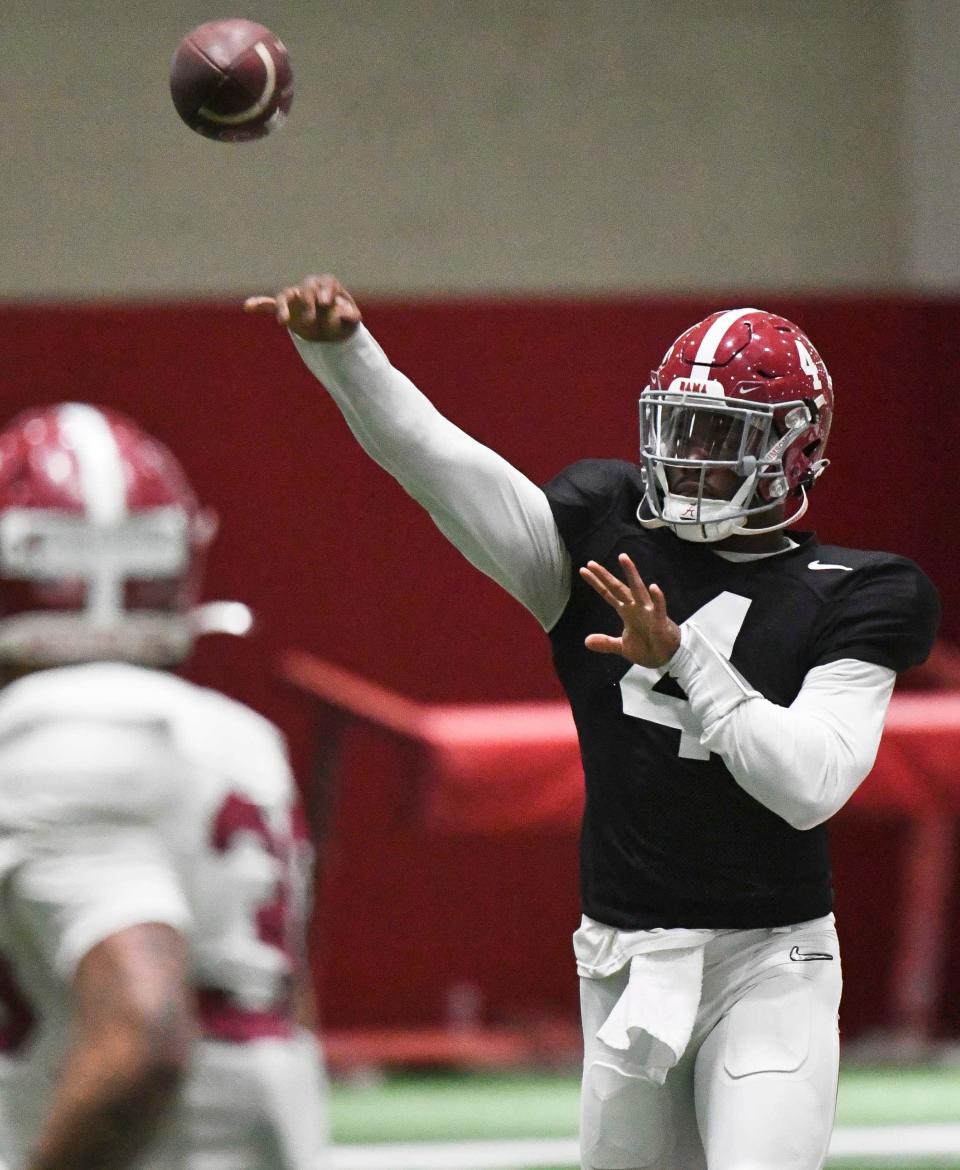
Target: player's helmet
<point>743,392</point>
<point>101,542</point>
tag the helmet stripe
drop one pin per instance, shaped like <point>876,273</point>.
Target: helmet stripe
<point>98,462</point>
<point>710,343</point>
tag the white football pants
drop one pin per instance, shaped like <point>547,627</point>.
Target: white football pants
<point>261,1105</point>
<point>756,1087</point>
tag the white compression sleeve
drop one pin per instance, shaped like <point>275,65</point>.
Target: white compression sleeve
<point>495,516</point>
<point>805,761</point>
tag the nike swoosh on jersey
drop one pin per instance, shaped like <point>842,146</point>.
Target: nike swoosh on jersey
<point>818,565</point>
<point>799,956</point>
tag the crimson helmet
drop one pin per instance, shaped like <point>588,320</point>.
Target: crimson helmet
<point>101,543</point>
<point>733,424</point>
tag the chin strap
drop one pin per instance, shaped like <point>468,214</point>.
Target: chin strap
<point>815,472</point>
<point>804,504</point>
<point>656,522</point>
<point>649,521</point>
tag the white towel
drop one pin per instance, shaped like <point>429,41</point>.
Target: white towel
<point>653,1019</point>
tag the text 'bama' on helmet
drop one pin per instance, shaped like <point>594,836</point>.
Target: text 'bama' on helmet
<point>101,541</point>
<point>733,425</point>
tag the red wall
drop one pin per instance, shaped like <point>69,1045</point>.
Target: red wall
<point>336,559</point>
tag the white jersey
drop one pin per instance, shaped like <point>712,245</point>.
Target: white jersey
<point>130,796</point>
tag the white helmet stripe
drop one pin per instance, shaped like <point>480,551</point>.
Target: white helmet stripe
<point>707,352</point>
<point>105,497</point>
<point>98,462</point>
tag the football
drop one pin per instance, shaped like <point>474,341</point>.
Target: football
<point>231,80</point>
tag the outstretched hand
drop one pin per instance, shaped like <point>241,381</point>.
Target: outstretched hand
<point>319,308</point>
<point>649,636</point>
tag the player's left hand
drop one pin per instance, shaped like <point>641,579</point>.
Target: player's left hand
<point>649,637</point>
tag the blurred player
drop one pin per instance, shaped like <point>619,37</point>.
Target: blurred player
<point>151,872</point>
<point>725,713</point>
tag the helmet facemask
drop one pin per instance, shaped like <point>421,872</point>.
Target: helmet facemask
<point>710,464</point>
<point>123,590</point>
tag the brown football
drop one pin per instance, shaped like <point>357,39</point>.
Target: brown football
<point>231,80</point>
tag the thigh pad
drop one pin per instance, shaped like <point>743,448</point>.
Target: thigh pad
<point>768,1029</point>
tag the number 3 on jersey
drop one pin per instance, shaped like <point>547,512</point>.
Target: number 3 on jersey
<point>253,959</point>
<point>721,620</point>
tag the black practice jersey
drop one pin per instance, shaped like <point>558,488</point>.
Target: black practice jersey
<point>669,838</point>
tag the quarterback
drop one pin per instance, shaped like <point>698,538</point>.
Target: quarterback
<point>729,683</point>
<point>151,861</point>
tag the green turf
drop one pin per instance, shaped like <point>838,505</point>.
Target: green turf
<point>445,1108</point>
<point>891,1096</point>
<point>449,1108</point>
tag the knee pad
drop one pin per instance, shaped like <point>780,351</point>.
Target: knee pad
<point>625,1120</point>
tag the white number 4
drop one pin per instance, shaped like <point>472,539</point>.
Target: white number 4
<point>807,364</point>
<point>721,620</point>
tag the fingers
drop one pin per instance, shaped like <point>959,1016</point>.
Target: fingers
<point>603,644</point>
<point>613,591</point>
<point>649,638</point>
<point>634,580</point>
<point>318,306</point>
<point>621,594</point>
<point>260,304</point>
<point>327,292</point>
<point>659,603</point>
<point>346,308</point>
